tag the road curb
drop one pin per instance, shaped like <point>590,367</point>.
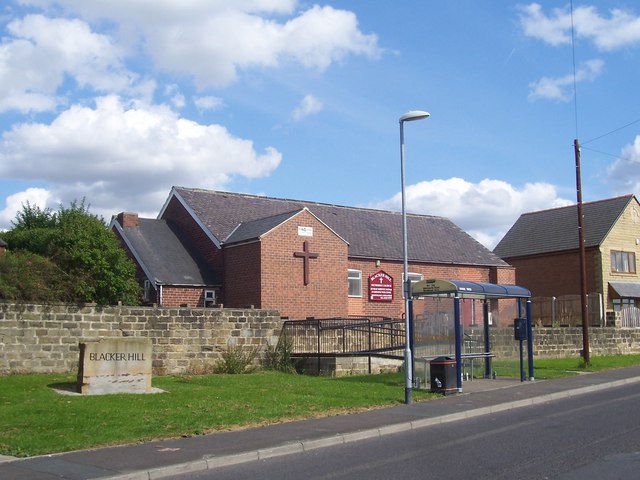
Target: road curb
<point>212,462</point>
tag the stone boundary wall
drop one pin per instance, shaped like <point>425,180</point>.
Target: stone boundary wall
<point>45,338</point>
<point>567,342</point>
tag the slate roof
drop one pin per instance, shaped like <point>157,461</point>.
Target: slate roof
<point>626,289</point>
<point>370,233</point>
<point>556,230</point>
<point>167,255</point>
<point>252,230</point>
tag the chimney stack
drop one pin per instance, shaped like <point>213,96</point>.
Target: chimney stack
<point>128,220</point>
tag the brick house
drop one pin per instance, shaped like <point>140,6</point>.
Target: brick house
<point>301,258</point>
<point>543,247</point>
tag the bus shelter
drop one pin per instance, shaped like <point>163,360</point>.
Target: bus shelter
<point>458,290</point>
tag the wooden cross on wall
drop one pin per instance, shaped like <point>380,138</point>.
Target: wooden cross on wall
<point>306,255</point>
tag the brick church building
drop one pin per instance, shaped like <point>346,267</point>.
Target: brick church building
<point>301,258</point>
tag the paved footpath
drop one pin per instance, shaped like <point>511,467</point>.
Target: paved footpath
<point>171,457</point>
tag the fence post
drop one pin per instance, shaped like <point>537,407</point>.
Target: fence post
<point>487,338</point>
<point>318,330</point>
<point>369,331</point>
<point>344,339</point>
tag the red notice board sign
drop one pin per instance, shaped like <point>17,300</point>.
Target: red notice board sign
<point>380,287</point>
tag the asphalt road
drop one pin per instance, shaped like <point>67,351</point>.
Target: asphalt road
<point>593,435</point>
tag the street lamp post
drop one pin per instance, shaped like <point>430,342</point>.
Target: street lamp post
<point>406,286</point>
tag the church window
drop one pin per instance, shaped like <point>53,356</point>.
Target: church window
<point>355,283</point>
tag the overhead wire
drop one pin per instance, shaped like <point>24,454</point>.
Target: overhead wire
<point>575,88</point>
<point>575,97</point>
<point>612,131</point>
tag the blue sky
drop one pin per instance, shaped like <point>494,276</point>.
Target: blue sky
<point>118,100</point>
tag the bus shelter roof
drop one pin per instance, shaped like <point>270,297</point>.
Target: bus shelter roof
<point>463,289</point>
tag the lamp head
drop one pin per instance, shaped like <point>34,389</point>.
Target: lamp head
<point>414,115</point>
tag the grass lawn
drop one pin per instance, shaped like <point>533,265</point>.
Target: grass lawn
<point>35,419</point>
<point>549,368</point>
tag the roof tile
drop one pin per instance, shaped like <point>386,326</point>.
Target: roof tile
<point>556,230</point>
<point>370,233</point>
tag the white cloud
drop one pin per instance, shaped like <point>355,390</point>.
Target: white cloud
<point>119,150</point>
<point>555,30</point>
<point>123,156</point>
<point>486,210</point>
<point>309,105</point>
<point>624,173</point>
<point>40,52</point>
<point>208,103</point>
<point>212,40</point>
<point>620,29</point>
<point>13,204</point>
<point>175,96</point>
<point>561,88</point>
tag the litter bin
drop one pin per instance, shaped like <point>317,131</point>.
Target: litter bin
<point>443,375</point>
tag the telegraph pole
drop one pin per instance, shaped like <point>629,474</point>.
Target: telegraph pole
<point>583,259</point>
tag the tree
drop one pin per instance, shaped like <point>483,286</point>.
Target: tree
<point>33,230</point>
<point>80,245</point>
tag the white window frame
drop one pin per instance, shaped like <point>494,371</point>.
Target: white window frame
<point>620,303</point>
<point>413,278</point>
<point>623,261</point>
<point>209,298</point>
<point>354,276</point>
<point>146,290</point>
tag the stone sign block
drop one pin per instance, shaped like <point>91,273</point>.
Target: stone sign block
<point>115,365</point>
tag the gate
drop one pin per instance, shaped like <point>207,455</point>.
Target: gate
<point>630,317</point>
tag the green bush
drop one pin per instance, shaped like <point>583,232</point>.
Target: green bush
<point>27,277</point>
<point>237,359</point>
<point>279,357</point>
<point>83,248</point>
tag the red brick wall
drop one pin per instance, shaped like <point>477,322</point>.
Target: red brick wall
<point>242,265</point>
<point>173,297</point>
<point>283,277</point>
<point>266,274</point>
<point>554,274</point>
<point>362,306</point>
<point>504,276</point>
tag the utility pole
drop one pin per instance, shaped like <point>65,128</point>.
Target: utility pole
<point>583,259</point>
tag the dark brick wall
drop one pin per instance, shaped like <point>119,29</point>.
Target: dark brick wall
<point>242,282</point>
<point>176,215</point>
<point>554,274</point>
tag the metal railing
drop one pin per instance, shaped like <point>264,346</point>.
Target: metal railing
<point>345,336</point>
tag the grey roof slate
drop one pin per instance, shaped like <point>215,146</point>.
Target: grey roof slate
<point>369,233</point>
<point>626,289</point>
<point>556,230</point>
<point>254,229</point>
<point>168,255</point>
